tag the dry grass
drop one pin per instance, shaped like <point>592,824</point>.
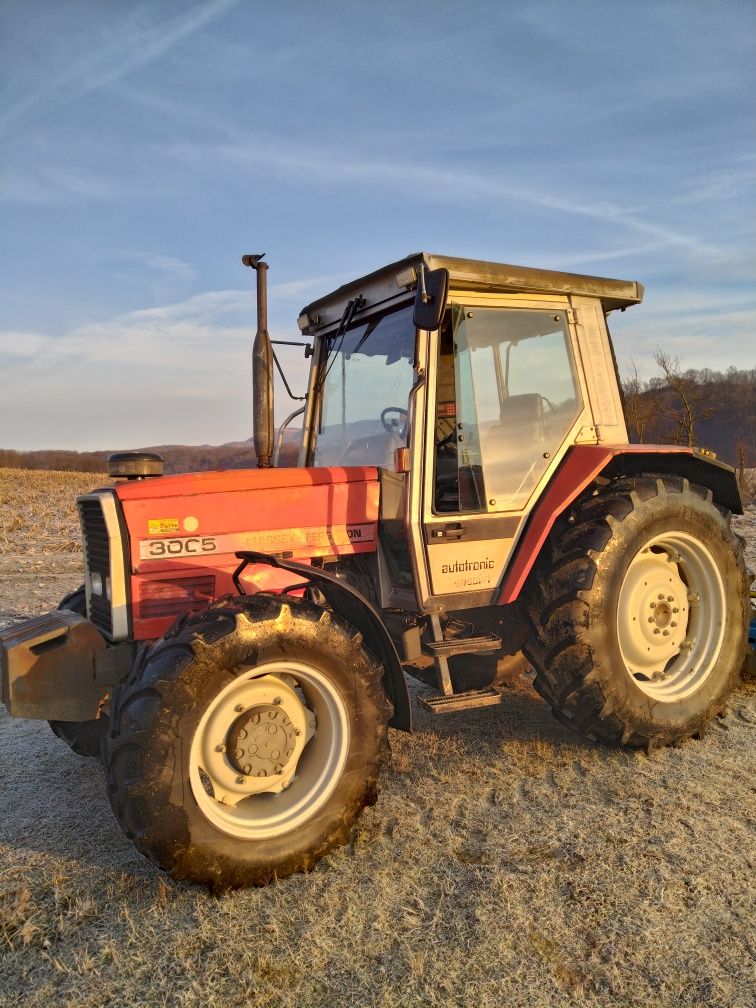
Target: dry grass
<point>38,512</point>
<point>506,863</point>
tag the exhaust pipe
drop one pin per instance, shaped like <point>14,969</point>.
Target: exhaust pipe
<point>262,369</point>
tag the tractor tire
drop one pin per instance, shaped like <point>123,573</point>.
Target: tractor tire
<point>247,741</point>
<point>83,737</point>
<point>639,605</point>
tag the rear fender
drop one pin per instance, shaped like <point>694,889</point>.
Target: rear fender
<point>584,463</point>
<point>353,607</point>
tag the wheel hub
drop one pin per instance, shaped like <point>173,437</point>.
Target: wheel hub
<point>253,737</point>
<point>269,749</point>
<point>262,741</point>
<point>668,637</point>
<point>653,613</point>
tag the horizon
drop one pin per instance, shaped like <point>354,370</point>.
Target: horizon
<point>148,147</point>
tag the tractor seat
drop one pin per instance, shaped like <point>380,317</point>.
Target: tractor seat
<point>520,420</point>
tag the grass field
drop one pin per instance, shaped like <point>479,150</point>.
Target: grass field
<point>506,862</point>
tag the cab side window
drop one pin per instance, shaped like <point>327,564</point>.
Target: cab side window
<point>516,397</point>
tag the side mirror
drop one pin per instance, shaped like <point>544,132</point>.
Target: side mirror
<point>430,300</point>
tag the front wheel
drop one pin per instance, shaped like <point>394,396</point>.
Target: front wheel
<point>245,744</point>
<point>639,601</point>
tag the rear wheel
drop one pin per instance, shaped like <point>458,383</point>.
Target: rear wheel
<point>246,743</point>
<point>84,737</point>
<point>639,601</point>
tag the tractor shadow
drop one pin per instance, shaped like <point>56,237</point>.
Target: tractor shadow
<point>54,803</point>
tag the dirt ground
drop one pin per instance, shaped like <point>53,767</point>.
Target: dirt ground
<point>507,862</point>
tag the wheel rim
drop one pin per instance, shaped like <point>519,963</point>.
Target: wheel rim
<point>269,750</point>
<point>670,616</point>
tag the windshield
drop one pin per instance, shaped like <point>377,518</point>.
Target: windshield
<point>368,377</point>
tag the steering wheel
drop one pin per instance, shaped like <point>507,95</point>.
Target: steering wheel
<point>392,426</point>
<point>549,403</point>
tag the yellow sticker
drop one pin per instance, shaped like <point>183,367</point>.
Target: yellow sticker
<point>162,526</point>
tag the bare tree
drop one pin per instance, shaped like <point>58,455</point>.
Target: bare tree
<point>690,406</point>
<point>743,475</point>
<point>639,408</point>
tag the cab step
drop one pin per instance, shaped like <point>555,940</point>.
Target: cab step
<point>447,704</point>
<point>463,645</point>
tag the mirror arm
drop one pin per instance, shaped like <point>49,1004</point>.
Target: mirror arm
<point>296,398</point>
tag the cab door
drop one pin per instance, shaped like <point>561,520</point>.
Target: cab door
<point>504,402</point>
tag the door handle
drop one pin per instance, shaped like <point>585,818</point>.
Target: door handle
<point>455,530</point>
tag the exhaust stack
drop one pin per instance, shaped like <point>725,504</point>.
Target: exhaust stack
<point>262,369</point>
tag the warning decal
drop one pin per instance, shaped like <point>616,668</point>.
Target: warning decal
<point>162,526</point>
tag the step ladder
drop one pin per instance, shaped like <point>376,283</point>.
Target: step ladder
<point>441,649</point>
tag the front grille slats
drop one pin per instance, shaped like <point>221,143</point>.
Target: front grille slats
<point>97,555</point>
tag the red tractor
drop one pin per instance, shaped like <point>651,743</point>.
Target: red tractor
<point>465,499</point>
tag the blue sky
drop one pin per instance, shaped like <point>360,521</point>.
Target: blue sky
<point>145,146</point>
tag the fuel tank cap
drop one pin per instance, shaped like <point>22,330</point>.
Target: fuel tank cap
<point>135,465</point>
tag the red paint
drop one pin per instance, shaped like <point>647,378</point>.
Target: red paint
<point>304,511</point>
<point>229,480</point>
<point>256,578</point>
<point>581,465</point>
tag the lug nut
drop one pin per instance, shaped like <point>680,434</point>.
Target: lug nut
<point>673,624</point>
<point>277,700</point>
<point>220,748</point>
<point>656,630</point>
<point>666,633</point>
<point>650,619</point>
<point>239,708</point>
<point>670,599</point>
<point>240,780</point>
<point>675,610</point>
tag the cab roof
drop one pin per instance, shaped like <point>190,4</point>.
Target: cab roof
<point>479,275</point>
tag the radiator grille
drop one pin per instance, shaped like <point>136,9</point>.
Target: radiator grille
<point>177,596</point>
<point>97,554</point>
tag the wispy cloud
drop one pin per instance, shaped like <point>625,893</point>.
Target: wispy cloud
<point>53,185</point>
<point>709,330</point>
<point>439,184</point>
<point>138,40</point>
<point>166,266</point>
<point>178,372</point>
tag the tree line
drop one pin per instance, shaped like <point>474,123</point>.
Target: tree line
<point>699,408</point>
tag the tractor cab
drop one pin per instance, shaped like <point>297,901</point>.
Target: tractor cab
<point>465,383</point>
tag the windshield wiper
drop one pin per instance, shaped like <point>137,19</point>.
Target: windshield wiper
<point>369,331</point>
<point>352,307</point>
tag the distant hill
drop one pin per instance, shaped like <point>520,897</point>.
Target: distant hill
<point>725,404</point>
<point>178,458</point>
